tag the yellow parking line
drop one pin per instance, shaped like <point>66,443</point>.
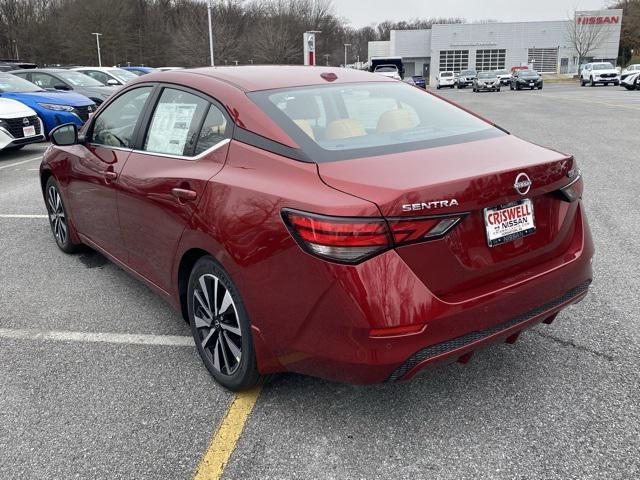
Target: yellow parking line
<point>225,439</point>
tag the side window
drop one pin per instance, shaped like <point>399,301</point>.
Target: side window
<point>99,76</point>
<point>115,125</point>
<point>43,80</point>
<point>175,123</point>
<point>214,129</point>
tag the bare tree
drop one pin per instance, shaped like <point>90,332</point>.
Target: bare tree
<point>585,37</point>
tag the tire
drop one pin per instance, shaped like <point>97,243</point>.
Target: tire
<point>518,87</point>
<point>61,228</point>
<point>582,82</point>
<point>230,338</point>
<point>540,87</point>
<point>498,89</point>
<point>511,86</point>
<point>616,84</point>
<point>592,83</point>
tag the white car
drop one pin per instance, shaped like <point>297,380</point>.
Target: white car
<point>390,71</point>
<point>19,125</point>
<point>630,70</point>
<point>112,76</point>
<point>599,72</point>
<point>631,81</point>
<point>445,79</point>
<point>504,76</point>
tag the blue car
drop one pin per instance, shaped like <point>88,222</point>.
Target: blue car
<point>53,108</point>
<point>139,70</point>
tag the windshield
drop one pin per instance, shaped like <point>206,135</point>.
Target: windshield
<point>468,72</point>
<point>387,68</point>
<point>484,75</point>
<point>122,75</point>
<point>602,66</point>
<point>78,79</point>
<point>528,73</point>
<point>502,72</point>
<point>11,83</point>
<point>336,122</point>
<point>446,74</point>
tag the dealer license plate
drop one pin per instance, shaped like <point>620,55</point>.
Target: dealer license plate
<point>509,222</point>
<point>29,131</point>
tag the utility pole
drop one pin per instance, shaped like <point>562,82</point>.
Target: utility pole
<point>15,44</point>
<point>345,53</point>
<point>209,7</point>
<point>98,35</point>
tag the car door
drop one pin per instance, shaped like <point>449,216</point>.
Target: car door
<point>186,144</point>
<point>93,181</point>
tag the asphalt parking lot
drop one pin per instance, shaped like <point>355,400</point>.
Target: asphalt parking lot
<point>136,402</point>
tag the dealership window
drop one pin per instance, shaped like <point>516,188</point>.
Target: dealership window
<point>453,60</point>
<point>543,60</point>
<point>490,59</point>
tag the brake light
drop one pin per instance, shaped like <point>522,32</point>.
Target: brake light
<point>352,240</point>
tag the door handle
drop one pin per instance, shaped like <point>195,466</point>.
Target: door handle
<point>109,175</point>
<point>184,194</point>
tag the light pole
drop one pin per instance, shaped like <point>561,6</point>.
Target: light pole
<point>98,35</point>
<point>209,7</point>
<point>345,53</point>
<point>15,44</point>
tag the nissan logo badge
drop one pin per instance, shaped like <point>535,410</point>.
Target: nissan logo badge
<point>522,183</point>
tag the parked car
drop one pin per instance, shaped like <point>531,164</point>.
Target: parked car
<point>466,78</point>
<point>486,81</point>
<point>600,72</point>
<point>526,79</point>
<point>53,108</point>
<point>416,81</point>
<point>19,125</point>
<point>631,82</point>
<point>67,80</point>
<point>322,235</point>
<point>111,76</point>
<point>140,70</point>
<point>445,79</point>
<point>504,76</point>
<point>419,81</point>
<point>390,71</point>
<point>8,65</point>
<point>376,62</point>
<point>630,70</point>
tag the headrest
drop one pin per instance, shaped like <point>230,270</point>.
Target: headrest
<point>345,128</point>
<point>394,120</point>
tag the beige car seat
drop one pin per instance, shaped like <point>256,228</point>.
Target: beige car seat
<point>394,120</point>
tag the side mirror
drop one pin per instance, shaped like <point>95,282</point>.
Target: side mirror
<point>61,86</point>
<point>113,82</point>
<point>64,135</point>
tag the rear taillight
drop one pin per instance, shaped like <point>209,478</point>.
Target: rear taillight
<point>352,240</point>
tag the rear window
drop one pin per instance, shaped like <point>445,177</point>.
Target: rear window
<point>446,74</point>
<point>337,122</point>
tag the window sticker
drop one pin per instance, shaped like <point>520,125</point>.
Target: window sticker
<point>170,128</point>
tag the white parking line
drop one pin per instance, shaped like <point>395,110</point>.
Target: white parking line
<point>20,163</point>
<point>94,337</point>
<point>15,215</point>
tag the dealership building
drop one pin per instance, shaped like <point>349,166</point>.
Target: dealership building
<point>544,45</point>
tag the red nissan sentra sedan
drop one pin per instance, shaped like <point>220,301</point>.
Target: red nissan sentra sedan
<point>323,221</point>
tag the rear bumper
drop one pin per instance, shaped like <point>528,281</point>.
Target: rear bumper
<point>334,339</point>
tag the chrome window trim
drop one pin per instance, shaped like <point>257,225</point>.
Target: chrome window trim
<point>109,146</point>
<point>183,157</point>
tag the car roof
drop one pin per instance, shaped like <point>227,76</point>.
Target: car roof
<point>100,69</point>
<point>268,77</point>
<point>45,70</point>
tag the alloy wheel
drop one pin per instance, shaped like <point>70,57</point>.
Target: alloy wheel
<point>217,324</point>
<point>57,215</point>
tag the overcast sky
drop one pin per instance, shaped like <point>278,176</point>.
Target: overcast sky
<point>365,12</point>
